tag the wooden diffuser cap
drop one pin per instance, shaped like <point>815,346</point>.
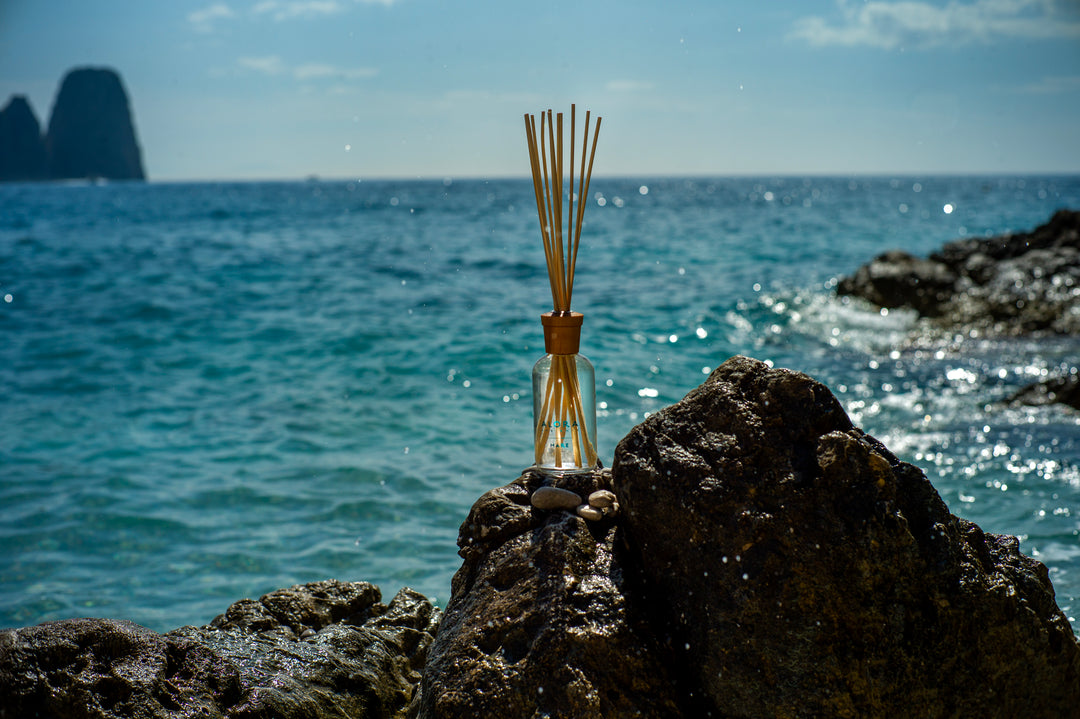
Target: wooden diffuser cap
<point>562,332</point>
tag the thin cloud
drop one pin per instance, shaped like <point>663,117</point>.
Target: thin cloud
<point>629,86</point>
<point>317,71</point>
<point>280,11</point>
<point>267,64</point>
<point>889,25</point>
<point>203,20</point>
<point>273,65</point>
<point>1053,85</point>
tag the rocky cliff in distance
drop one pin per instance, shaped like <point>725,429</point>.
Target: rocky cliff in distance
<point>22,150</point>
<point>91,133</point>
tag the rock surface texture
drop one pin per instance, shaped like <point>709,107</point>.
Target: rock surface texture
<point>91,133</point>
<point>543,620</point>
<point>22,149</point>
<point>1011,285</point>
<point>802,570</point>
<point>327,649</point>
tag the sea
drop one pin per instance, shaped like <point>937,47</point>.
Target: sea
<point>209,391</point>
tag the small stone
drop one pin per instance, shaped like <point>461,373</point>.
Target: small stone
<point>602,498</point>
<point>593,514</point>
<point>555,498</point>
<point>307,633</point>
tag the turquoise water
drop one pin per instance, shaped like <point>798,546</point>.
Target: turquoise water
<point>209,391</point>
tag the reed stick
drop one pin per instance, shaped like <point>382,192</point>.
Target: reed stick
<point>561,412</point>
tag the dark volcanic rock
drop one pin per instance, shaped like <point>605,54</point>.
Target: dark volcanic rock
<point>1063,389</point>
<point>1015,284</point>
<point>91,133</point>
<point>543,620</point>
<point>22,149</point>
<point>327,649</point>
<point>805,571</point>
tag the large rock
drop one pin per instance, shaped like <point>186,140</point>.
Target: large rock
<point>544,620</point>
<point>326,649</point>
<point>22,149</point>
<point>91,133</point>
<point>804,571</point>
<point>1016,284</point>
<point>1062,388</point>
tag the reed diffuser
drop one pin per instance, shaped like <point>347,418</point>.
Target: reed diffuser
<point>564,382</point>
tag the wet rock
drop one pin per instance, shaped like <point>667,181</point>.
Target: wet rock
<point>543,620</point>
<point>1063,388</point>
<point>91,132</point>
<point>1011,285</point>
<point>360,658</point>
<point>802,570</point>
<point>22,149</point>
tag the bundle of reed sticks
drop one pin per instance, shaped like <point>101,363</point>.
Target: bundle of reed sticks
<point>562,410</point>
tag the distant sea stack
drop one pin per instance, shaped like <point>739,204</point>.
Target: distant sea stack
<point>22,150</point>
<point>91,133</point>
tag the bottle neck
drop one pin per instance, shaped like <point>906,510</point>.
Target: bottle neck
<point>562,332</point>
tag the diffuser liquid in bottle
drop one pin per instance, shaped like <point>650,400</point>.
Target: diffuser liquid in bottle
<point>564,400</point>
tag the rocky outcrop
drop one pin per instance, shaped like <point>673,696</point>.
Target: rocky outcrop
<point>1063,388</point>
<point>91,133</point>
<point>769,559</point>
<point>544,620</point>
<point>22,149</point>
<point>1017,284</point>
<point>327,649</point>
<point>761,557</point>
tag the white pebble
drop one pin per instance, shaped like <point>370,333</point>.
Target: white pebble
<point>554,498</point>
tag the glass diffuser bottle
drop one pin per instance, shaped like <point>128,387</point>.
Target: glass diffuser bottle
<point>564,399</point>
<point>564,387</point>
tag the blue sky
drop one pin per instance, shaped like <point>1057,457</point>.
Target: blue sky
<point>251,89</point>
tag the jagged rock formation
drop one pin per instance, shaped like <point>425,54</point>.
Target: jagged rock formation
<point>806,571</point>
<point>91,133</point>
<point>1017,284</point>
<point>769,559</point>
<point>22,150</point>
<point>327,649</point>
<point>543,619</point>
